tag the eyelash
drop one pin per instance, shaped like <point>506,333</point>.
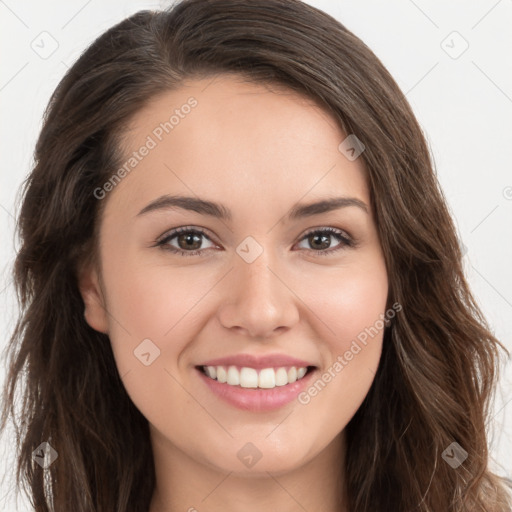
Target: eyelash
<point>339,235</point>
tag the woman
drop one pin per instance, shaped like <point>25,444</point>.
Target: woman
<point>184,342</point>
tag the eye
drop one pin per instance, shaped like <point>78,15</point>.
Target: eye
<point>319,239</point>
<point>189,242</point>
<point>186,238</point>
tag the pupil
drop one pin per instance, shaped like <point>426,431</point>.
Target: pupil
<point>316,237</point>
<point>189,240</point>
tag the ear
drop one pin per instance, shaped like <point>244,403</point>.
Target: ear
<point>95,312</point>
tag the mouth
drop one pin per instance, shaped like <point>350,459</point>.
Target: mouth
<point>256,390</point>
<point>252,378</point>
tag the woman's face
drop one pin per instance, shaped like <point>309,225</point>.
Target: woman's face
<point>265,279</point>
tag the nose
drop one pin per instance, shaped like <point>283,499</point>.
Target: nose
<point>259,302</point>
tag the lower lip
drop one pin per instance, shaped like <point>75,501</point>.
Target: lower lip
<point>257,399</point>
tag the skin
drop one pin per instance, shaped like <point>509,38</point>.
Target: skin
<point>259,151</point>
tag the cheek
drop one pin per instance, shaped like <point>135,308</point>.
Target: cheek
<point>161,303</point>
<point>350,307</point>
<point>153,301</point>
<point>348,302</point>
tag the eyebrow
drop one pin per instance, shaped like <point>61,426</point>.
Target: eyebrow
<point>205,207</point>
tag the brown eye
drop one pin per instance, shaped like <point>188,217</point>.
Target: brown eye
<point>188,240</point>
<point>319,240</point>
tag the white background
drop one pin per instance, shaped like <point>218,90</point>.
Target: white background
<point>464,105</point>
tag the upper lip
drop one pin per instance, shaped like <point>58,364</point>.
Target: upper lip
<point>257,362</point>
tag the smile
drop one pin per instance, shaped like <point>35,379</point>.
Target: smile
<point>245,377</point>
<point>246,388</point>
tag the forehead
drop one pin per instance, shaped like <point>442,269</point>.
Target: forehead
<point>223,137</point>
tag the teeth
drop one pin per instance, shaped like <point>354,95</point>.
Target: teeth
<point>281,377</point>
<point>211,371</point>
<point>301,372</point>
<point>233,376</point>
<point>222,376</point>
<point>267,378</point>
<point>248,377</point>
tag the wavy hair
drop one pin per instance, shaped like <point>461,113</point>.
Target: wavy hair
<point>439,363</point>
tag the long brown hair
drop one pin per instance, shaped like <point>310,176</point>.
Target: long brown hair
<point>439,362</point>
